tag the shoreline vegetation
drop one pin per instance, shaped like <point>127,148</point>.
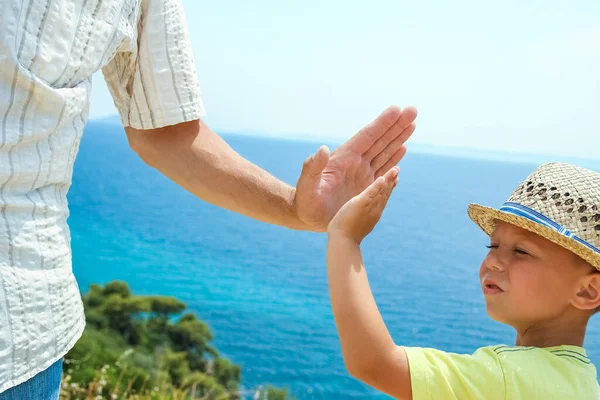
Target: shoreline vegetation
<point>147,348</point>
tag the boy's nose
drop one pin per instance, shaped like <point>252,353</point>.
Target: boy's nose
<point>494,262</point>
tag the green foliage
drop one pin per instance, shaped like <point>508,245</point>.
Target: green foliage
<point>272,393</point>
<point>116,287</point>
<point>165,306</point>
<point>136,347</point>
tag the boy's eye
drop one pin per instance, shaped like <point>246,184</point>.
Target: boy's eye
<point>517,250</point>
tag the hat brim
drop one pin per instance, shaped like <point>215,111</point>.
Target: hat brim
<point>486,218</point>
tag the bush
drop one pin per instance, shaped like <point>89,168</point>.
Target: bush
<point>135,348</point>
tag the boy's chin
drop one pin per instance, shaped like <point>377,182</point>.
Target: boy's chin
<point>499,316</point>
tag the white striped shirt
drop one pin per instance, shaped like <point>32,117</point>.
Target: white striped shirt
<point>49,50</point>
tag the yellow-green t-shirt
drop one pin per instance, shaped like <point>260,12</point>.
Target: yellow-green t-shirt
<point>503,373</point>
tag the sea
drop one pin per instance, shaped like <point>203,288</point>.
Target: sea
<point>262,289</point>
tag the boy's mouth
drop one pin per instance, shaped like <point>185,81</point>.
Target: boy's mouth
<point>490,287</point>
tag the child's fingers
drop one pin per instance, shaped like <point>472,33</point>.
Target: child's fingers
<point>388,191</point>
<point>390,185</point>
<point>381,187</point>
<point>392,173</point>
<point>392,179</point>
<point>375,188</point>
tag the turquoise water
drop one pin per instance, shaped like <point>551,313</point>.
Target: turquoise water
<point>263,289</point>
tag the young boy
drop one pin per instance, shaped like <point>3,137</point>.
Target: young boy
<point>540,277</point>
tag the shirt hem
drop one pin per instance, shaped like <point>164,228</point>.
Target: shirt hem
<point>418,377</point>
<point>42,367</point>
<point>171,116</point>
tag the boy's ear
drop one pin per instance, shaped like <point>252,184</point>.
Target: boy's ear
<point>588,295</point>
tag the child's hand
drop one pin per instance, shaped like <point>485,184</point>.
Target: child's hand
<point>357,218</point>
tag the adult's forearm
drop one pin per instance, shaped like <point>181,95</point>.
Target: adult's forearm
<point>200,161</point>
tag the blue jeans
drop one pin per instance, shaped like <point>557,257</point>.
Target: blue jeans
<point>43,386</point>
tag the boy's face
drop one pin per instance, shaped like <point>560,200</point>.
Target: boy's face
<point>527,279</point>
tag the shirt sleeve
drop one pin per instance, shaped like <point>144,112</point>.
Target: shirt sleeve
<point>435,375</point>
<point>153,79</point>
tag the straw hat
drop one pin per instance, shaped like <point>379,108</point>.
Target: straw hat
<point>559,202</point>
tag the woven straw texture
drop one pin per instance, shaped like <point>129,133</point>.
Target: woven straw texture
<point>567,194</point>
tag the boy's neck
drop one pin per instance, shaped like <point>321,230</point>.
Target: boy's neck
<point>557,333</point>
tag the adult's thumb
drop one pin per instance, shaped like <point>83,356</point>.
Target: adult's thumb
<point>314,165</point>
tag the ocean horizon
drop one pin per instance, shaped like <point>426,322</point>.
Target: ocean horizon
<point>530,157</point>
<point>262,289</point>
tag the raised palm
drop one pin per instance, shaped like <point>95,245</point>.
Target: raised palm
<point>328,181</point>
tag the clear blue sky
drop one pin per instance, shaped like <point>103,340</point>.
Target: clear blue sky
<point>513,75</point>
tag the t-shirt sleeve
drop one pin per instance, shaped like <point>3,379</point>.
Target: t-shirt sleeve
<point>153,79</point>
<point>435,374</point>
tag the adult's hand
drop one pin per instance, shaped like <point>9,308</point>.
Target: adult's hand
<point>328,181</point>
